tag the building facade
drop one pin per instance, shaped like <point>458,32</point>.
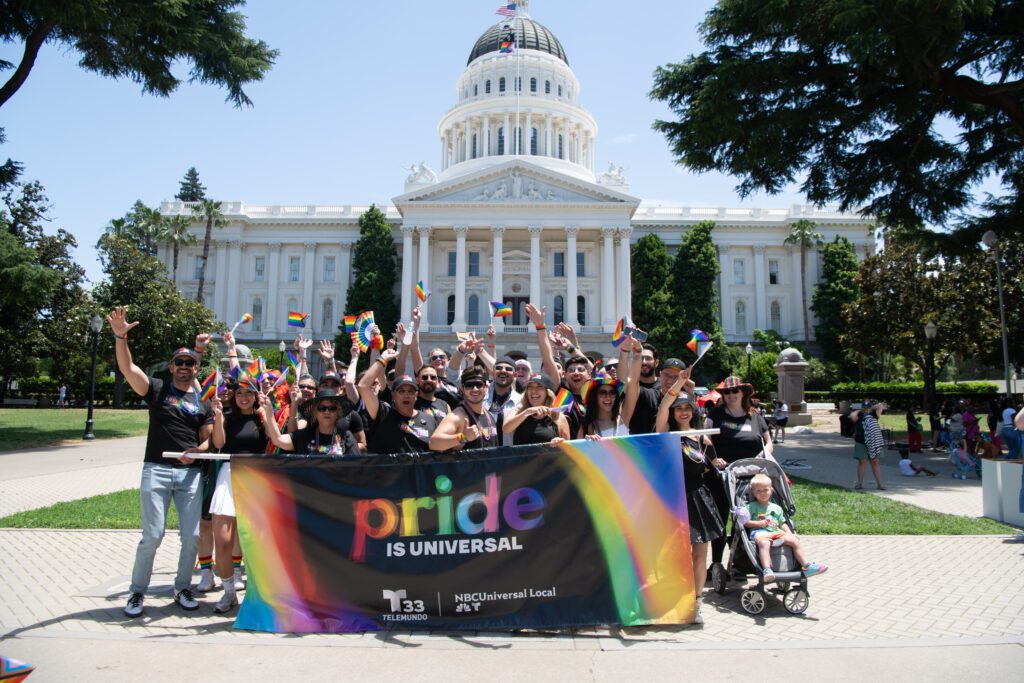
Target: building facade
<point>518,212</point>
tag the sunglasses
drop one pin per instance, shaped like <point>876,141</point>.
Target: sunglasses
<point>503,368</point>
<point>428,378</point>
<point>607,392</point>
<point>439,356</point>
<point>727,392</point>
<point>326,409</point>
<point>184,362</point>
<point>307,387</point>
<point>473,385</point>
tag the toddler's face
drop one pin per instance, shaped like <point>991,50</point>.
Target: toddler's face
<point>762,493</point>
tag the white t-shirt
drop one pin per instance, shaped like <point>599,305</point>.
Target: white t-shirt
<point>782,412</point>
<point>905,469</point>
<point>1008,416</point>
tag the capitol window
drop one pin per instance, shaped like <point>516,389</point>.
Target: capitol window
<point>559,90</point>
<point>559,309</point>
<point>533,141</point>
<point>257,314</point>
<point>475,93</point>
<point>501,141</point>
<point>776,315</point>
<point>739,276</point>
<point>547,87</point>
<point>473,311</point>
<point>199,268</point>
<point>451,264</point>
<point>487,87</point>
<point>741,317</point>
<point>451,308</point>
<point>519,83</point>
<point>326,320</point>
<point>260,269</point>
<point>581,262</point>
<point>293,268</point>
<point>293,304</point>
<point>533,85</point>
<point>773,272</point>
<point>559,264</point>
<point>501,84</point>
<point>328,269</point>
<point>474,264</point>
<point>581,310</point>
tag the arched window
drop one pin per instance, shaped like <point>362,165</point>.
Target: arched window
<point>501,84</point>
<point>475,93</point>
<point>327,317</point>
<point>533,85</point>
<point>559,309</point>
<point>559,90</point>
<point>776,314</point>
<point>451,308</point>
<point>581,310</point>
<point>257,314</point>
<point>474,145</point>
<point>741,317</point>
<point>487,87</point>
<point>501,141</point>
<point>533,141</point>
<point>561,147</point>
<point>547,87</point>
<point>473,310</point>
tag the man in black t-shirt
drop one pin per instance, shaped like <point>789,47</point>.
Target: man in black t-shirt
<point>426,383</point>
<point>398,428</point>
<point>646,411</point>
<point>179,421</point>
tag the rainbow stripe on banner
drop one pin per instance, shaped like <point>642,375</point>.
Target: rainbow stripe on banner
<point>563,401</point>
<point>296,319</point>
<point>500,309</point>
<point>590,532</point>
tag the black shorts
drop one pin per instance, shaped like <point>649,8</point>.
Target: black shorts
<point>782,422</point>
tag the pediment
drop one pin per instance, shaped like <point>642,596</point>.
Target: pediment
<point>515,182</point>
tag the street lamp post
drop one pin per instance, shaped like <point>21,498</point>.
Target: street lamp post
<point>930,330</point>
<point>95,325</point>
<point>280,349</point>
<point>749,350</point>
<point>992,242</point>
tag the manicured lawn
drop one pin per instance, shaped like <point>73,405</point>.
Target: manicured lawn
<point>826,509</point>
<point>821,509</point>
<point>33,427</point>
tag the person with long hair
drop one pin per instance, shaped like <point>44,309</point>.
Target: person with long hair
<point>609,403</point>
<point>326,433</point>
<point>533,420</point>
<point>678,412</point>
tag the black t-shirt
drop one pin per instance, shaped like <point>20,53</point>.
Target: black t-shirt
<point>174,421</point>
<point>448,393</point>
<point>574,416</point>
<point>694,466</point>
<point>489,430</point>
<point>243,434</point>
<point>309,441</point>
<point>351,421</point>
<point>438,408</point>
<point>740,437</point>
<point>645,414</point>
<point>532,430</point>
<point>394,433</point>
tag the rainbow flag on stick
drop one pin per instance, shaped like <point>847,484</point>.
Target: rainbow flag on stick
<point>210,386</point>
<point>241,321</point>
<point>563,401</point>
<point>621,333</point>
<point>464,336</point>
<point>499,309</point>
<point>293,360</point>
<point>700,343</point>
<point>282,378</point>
<point>421,291</point>
<point>296,319</point>
<point>13,671</point>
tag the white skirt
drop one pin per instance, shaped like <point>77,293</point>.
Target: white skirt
<point>223,501</point>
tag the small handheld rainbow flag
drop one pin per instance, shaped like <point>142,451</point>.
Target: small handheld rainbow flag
<point>421,291</point>
<point>13,671</point>
<point>464,336</point>
<point>210,386</point>
<point>282,378</point>
<point>621,333</point>
<point>350,323</point>
<point>563,401</point>
<point>241,321</point>
<point>296,319</point>
<point>700,343</point>
<point>499,309</point>
<point>293,359</point>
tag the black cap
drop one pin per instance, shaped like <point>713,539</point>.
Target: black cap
<point>541,379</point>
<point>403,380</point>
<point>673,364</point>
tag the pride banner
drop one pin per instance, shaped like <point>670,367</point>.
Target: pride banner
<point>583,533</point>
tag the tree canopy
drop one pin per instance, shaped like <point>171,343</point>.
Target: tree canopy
<point>838,287</point>
<point>189,188</point>
<point>142,41</point>
<point>901,108</point>
<point>374,273</point>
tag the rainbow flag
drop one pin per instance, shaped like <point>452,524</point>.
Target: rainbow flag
<point>500,309</point>
<point>282,378</point>
<point>700,343</point>
<point>210,386</point>
<point>294,360</point>
<point>296,319</point>
<point>350,323</point>
<point>13,671</point>
<point>508,40</point>
<point>563,401</point>
<point>620,334</point>
<point>361,335</point>
<point>241,321</point>
<point>464,336</point>
<point>255,369</point>
<point>421,291</point>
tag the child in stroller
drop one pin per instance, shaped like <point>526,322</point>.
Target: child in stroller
<point>767,526</point>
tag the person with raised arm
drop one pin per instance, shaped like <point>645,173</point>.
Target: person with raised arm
<point>398,428</point>
<point>469,425</point>
<point>179,421</point>
<point>327,432</point>
<point>609,403</point>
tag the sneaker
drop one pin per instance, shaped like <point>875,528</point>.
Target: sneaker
<point>186,601</point>
<point>813,568</point>
<point>698,618</point>
<point>768,575</point>
<point>237,578</point>
<point>134,606</point>
<point>227,602</point>
<point>206,582</point>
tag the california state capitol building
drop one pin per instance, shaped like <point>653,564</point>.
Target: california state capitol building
<point>520,208</point>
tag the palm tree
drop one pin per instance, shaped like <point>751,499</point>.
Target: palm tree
<point>802,233</point>
<point>149,225</point>
<point>209,210</point>
<point>176,231</point>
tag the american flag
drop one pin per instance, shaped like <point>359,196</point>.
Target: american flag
<point>508,10</point>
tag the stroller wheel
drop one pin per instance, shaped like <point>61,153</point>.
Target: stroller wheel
<point>719,577</point>
<point>752,601</point>
<point>796,601</point>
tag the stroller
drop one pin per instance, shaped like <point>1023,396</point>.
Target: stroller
<point>789,579</point>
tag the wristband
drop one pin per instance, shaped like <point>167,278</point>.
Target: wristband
<point>540,327</point>
<point>383,361</point>
<point>200,349</point>
<point>232,355</point>
<point>462,437</point>
<point>570,348</point>
<point>673,393</point>
<point>117,336</point>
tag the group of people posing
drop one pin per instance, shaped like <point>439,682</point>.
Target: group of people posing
<point>405,403</point>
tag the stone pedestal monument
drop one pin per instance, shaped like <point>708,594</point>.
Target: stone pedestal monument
<point>791,368</point>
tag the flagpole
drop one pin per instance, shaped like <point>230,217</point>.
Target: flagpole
<point>518,139</point>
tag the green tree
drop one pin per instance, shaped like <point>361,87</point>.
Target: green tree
<point>147,224</point>
<point>899,106</point>
<point>650,269</point>
<point>66,337</point>
<point>26,289</point>
<point>838,287</point>
<point>190,189</point>
<point>374,269</point>
<point>208,210</point>
<point>802,233</point>
<point>178,231</point>
<point>144,41</point>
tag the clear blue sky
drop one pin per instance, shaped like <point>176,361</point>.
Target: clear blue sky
<point>356,94</point>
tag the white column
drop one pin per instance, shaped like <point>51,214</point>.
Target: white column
<point>725,290</point>
<point>309,268</point>
<point>760,298</point>
<point>345,276</point>
<point>796,325</point>
<point>487,135</point>
<point>220,282</point>
<point>624,288</point>
<point>571,312</point>
<point>535,293</point>
<point>497,270</point>
<point>508,136</point>
<point>565,140</point>
<point>608,312</point>
<point>579,145</point>
<point>812,278</point>
<point>270,314</point>
<point>469,139</point>
<point>444,150</point>
<point>547,138</point>
<point>459,325</point>
<point>424,272</point>
<point>235,269</point>
<point>407,279</point>
<point>528,133</point>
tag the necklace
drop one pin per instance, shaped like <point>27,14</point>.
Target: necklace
<point>486,433</point>
<point>179,402</point>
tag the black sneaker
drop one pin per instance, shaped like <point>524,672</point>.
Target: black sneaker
<point>186,601</point>
<point>134,606</point>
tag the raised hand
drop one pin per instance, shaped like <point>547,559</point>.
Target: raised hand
<point>218,409</point>
<point>536,315</point>
<point>355,350</point>
<point>491,334</point>
<point>472,433</point>
<point>400,330</point>
<point>389,354</point>
<point>229,340</point>
<point>327,350</point>
<point>392,343</point>
<point>202,340</point>
<point>118,321</point>
<point>416,318</point>
<point>302,343</point>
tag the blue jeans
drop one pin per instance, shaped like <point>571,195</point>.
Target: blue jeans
<point>1012,439</point>
<point>159,484</point>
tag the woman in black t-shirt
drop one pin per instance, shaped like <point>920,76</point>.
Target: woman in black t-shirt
<point>743,433</point>
<point>533,420</point>
<point>325,434</point>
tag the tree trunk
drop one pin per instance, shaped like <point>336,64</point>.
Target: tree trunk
<point>803,288</point>
<point>33,43</point>
<point>206,255</point>
<point>174,268</point>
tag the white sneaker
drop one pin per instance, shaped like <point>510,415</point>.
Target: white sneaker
<point>237,578</point>
<point>698,618</point>
<point>206,582</point>
<point>134,606</point>
<point>186,601</point>
<point>227,602</point>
